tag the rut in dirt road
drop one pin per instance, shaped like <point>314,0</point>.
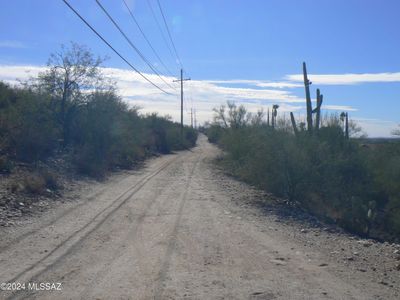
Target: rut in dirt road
<point>169,231</point>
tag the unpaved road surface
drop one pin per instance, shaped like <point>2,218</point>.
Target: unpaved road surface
<point>172,231</point>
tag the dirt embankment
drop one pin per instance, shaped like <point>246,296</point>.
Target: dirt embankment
<point>181,229</point>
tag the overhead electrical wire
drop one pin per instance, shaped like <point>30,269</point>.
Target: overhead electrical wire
<point>132,45</point>
<point>115,51</point>
<point>147,40</point>
<point>169,33</point>
<point>160,29</point>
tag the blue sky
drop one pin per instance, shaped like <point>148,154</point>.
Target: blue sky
<point>248,51</point>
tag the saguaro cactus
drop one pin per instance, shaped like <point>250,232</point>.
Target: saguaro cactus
<point>310,110</point>
<point>268,117</point>
<point>274,114</point>
<point>296,131</point>
<point>307,84</point>
<point>344,117</point>
<point>317,110</point>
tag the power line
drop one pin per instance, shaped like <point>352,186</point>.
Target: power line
<point>169,33</point>
<point>132,45</point>
<point>159,28</point>
<point>112,48</point>
<point>147,40</point>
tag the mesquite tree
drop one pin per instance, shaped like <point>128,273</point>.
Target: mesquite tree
<point>72,73</point>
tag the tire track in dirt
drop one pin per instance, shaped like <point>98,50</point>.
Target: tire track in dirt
<point>132,234</point>
<point>158,291</point>
<point>80,238</point>
<point>86,201</point>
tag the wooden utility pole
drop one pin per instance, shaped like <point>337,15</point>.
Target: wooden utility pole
<point>195,120</point>
<point>182,80</point>
<point>191,117</point>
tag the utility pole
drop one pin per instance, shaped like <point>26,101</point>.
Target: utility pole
<point>182,80</point>
<point>191,117</point>
<point>195,120</point>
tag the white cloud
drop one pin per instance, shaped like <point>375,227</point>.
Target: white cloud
<point>376,127</point>
<point>339,107</point>
<point>11,74</point>
<point>279,85</point>
<point>259,83</point>
<point>205,94</point>
<point>347,79</point>
<point>12,44</point>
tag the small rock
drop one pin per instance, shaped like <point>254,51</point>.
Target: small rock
<point>350,258</point>
<point>365,243</point>
<point>397,267</point>
<point>21,204</point>
<point>278,262</point>
<point>396,251</point>
<point>304,231</point>
<point>362,270</point>
<point>323,265</point>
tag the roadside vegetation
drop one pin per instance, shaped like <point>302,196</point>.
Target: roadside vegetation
<point>71,109</point>
<point>348,181</point>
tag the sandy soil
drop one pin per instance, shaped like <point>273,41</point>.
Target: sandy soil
<point>181,229</point>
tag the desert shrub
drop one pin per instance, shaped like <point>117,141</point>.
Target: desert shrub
<point>5,165</point>
<point>109,134</point>
<point>35,135</point>
<point>101,139</point>
<point>34,184</point>
<point>50,179</point>
<point>73,108</point>
<point>37,182</point>
<point>329,175</point>
<point>189,138</point>
<point>214,133</point>
<point>384,165</point>
<point>164,136</point>
<point>28,126</point>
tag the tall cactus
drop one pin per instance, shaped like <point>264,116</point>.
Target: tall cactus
<point>308,99</point>
<point>310,110</point>
<point>274,114</point>
<point>268,117</point>
<point>344,117</point>
<point>295,130</point>
<point>317,110</point>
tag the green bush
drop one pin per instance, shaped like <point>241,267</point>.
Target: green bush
<point>28,126</point>
<point>332,177</point>
<point>5,165</point>
<point>50,179</point>
<point>72,108</point>
<point>34,184</point>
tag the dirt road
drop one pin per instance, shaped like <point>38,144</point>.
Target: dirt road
<point>170,231</point>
